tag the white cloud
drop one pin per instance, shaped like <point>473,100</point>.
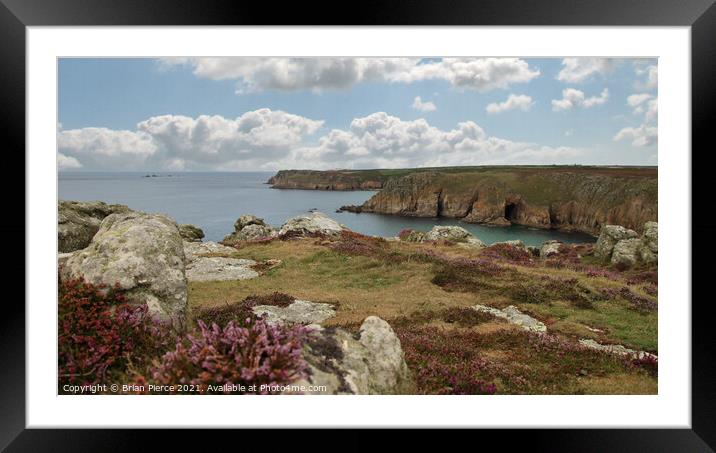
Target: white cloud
<point>289,74</point>
<point>67,163</point>
<point>177,142</point>
<point>266,139</point>
<point>640,136</point>
<point>646,104</point>
<point>650,74</point>
<point>521,102</point>
<point>381,140</point>
<point>576,70</point>
<point>418,104</point>
<point>572,98</point>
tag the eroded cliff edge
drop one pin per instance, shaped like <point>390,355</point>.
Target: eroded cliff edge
<point>569,198</point>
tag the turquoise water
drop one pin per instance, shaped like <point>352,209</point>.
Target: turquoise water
<point>213,201</point>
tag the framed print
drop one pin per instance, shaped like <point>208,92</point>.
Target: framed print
<point>418,217</point>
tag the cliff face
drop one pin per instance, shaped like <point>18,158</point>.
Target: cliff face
<point>543,198</point>
<point>326,180</point>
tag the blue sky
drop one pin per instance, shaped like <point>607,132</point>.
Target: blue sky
<point>269,114</point>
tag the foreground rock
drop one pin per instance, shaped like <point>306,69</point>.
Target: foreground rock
<point>191,233</point>
<point>368,363</point>
<point>299,312</point>
<point>446,233</point>
<point>248,228</point>
<point>313,224</point>
<point>216,268</point>
<point>79,221</point>
<point>144,254</point>
<point>615,349</point>
<point>512,315</point>
<point>624,248</point>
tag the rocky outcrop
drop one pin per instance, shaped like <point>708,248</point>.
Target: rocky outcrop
<point>514,316</point>
<point>624,248</point>
<point>370,362</point>
<point>193,250</point>
<point>564,198</point>
<point>327,180</point>
<point>298,312</point>
<point>144,255</point>
<point>549,248</point>
<point>249,228</point>
<point>615,349</point>
<point>79,221</point>
<point>450,233</point>
<point>191,233</point>
<point>313,224</point>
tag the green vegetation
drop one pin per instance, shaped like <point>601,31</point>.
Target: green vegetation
<point>425,291</point>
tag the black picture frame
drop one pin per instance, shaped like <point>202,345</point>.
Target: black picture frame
<point>700,15</point>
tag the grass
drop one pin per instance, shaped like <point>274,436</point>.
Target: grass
<point>425,292</point>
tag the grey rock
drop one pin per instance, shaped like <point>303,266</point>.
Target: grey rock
<point>194,250</point>
<point>191,233</point>
<point>144,255</point>
<point>369,363</point>
<point>246,220</point>
<point>608,238</point>
<point>315,223</point>
<point>626,252</point>
<point>514,316</point>
<point>615,349</point>
<point>299,312</point>
<point>534,251</point>
<point>549,248</point>
<point>79,221</point>
<point>450,233</point>
<point>649,251</point>
<point>203,269</point>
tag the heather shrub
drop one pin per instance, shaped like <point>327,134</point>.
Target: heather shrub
<point>648,363</point>
<point>100,335</point>
<point>510,253</point>
<point>240,312</point>
<point>444,364</point>
<point>637,302</point>
<point>252,356</point>
<point>465,317</point>
<point>405,233</point>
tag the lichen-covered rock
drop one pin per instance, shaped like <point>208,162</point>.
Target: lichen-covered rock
<point>649,252</point>
<point>248,228</point>
<point>78,222</point>
<point>191,233</point>
<point>549,248</point>
<point>299,312</point>
<point>450,233</point>
<point>370,362</point>
<point>217,268</point>
<point>313,224</point>
<point>608,238</point>
<point>626,252</point>
<point>144,255</point>
<point>514,316</point>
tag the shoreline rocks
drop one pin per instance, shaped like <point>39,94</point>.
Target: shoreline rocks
<point>191,233</point>
<point>314,224</point>
<point>249,228</point>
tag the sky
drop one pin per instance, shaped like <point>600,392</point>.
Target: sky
<point>267,114</point>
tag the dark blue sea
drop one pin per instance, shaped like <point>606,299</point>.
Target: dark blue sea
<point>213,201</point>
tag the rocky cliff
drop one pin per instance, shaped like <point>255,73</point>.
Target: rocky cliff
<point>566,198</point>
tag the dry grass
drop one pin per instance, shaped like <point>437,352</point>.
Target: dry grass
<point>391,280</point>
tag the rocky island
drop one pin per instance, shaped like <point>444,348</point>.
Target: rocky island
<point>568,198</point>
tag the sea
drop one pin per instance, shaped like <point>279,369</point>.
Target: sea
<point>214,200</point>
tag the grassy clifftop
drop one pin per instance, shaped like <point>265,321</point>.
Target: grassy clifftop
<point>580,198</point>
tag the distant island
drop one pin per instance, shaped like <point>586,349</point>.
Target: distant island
<point>568,198</point>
